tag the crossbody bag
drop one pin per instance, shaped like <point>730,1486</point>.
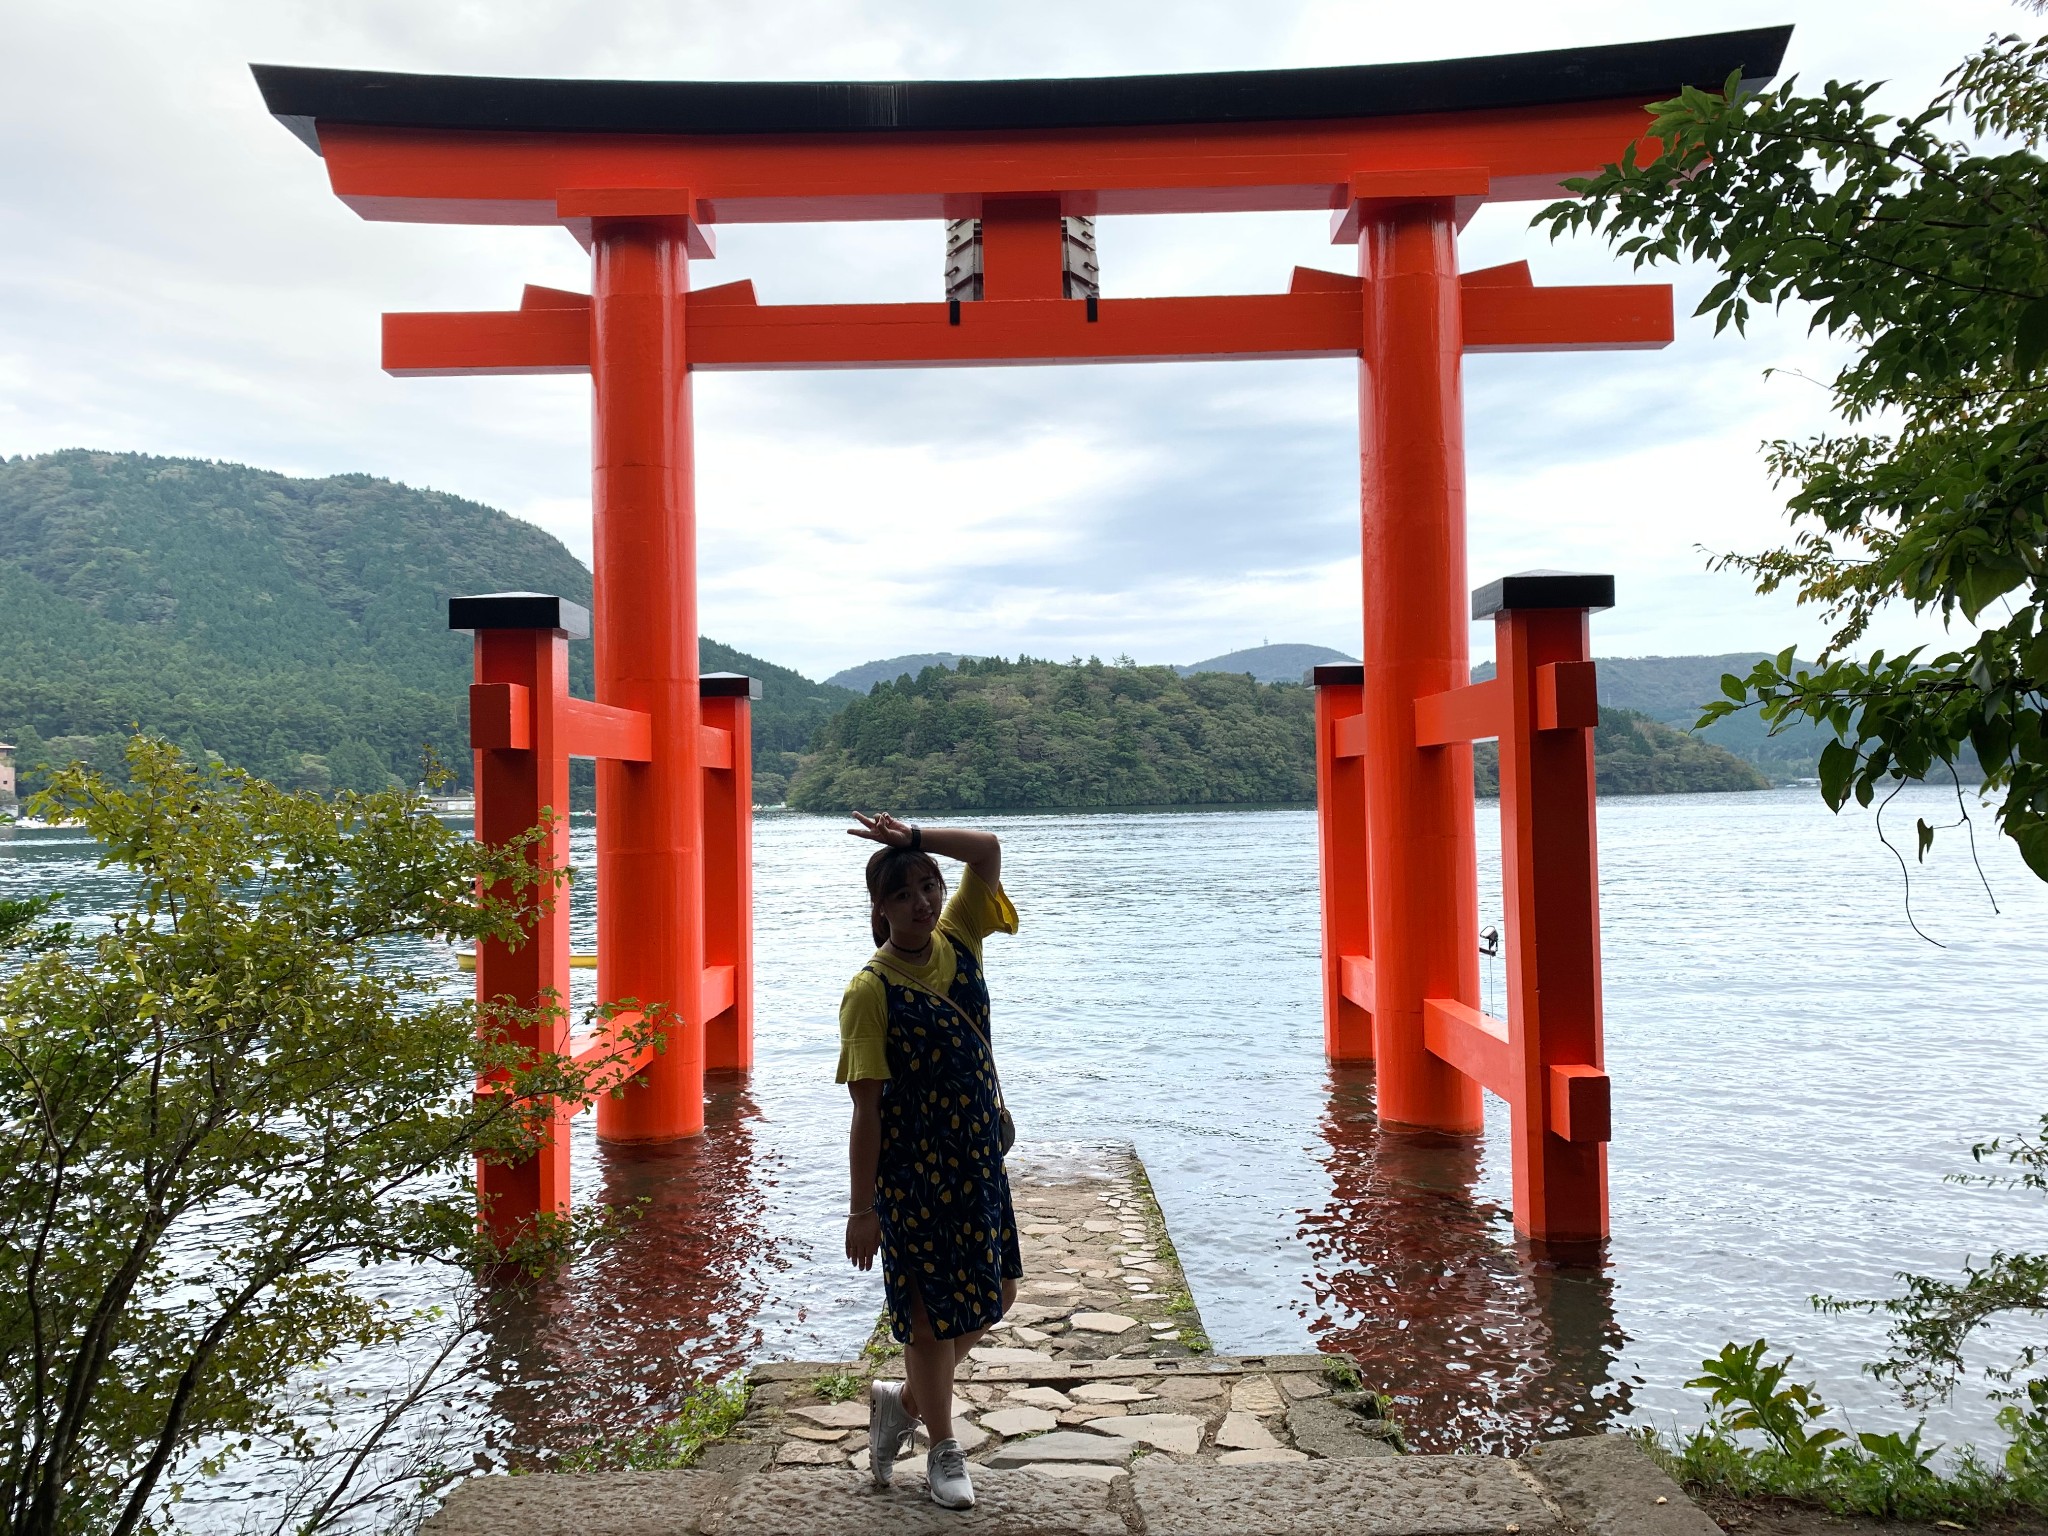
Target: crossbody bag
<point>1006,1128</point>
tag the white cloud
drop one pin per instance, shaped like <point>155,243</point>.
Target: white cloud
<point>176,278</point>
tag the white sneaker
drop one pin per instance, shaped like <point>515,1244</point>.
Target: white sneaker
<point>945,1472</point>
<point>889,1429</point>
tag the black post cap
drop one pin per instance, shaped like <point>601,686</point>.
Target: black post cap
<point>728,685</point>
<point>1543,589</point>
<point>519,610</point>
<point>1335,674</point>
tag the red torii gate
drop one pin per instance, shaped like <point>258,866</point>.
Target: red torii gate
<point>641,173</point>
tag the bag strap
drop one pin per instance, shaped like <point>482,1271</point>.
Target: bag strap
<point>965,1017</point>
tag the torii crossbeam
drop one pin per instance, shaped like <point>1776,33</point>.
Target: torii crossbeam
<point>643,172</point>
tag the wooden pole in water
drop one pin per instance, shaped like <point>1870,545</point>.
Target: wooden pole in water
<point>522,774</point>
<point>1342,847</point>
<point>1418,800</point>
<point>650,815</point>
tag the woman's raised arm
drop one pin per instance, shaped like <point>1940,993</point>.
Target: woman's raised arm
<point>980,851</point>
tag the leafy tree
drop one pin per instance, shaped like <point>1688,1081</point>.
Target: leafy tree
<point>215,1113</point>
<point>1925,254</point>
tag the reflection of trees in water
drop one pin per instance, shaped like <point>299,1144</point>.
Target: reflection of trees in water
<point>674,1299</point>
<point>1483,1344</point>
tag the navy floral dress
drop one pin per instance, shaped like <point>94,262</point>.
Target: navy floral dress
<point>940,1191</point>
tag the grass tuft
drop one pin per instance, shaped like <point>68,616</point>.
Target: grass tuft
<point>1343,1375</point>
<point>839,1386</point>
<point>709,1412</point>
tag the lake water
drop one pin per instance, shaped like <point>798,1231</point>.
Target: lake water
<point>1795,1073</point>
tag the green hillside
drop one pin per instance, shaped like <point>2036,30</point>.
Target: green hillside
<point>294,627</point>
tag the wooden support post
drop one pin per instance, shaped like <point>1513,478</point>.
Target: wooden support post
<point>1550,871</point>
<point>522,774</point>
<point>650,815</point>
<point>729,872</point>
<point>1345,864</point>
<point>1418,800</point>
<point>1023,248</point>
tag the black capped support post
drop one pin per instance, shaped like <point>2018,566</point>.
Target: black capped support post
<point>728,685</point>
<point>1337,674</point>
<point>519,610</point>
<point>1543,589</point>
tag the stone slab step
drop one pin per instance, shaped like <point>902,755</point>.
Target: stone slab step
<point>1603,1485</point>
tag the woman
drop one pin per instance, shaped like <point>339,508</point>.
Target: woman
<point>926,1150</point>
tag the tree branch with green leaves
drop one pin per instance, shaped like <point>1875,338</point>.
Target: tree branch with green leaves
<point>255,1084</point>
<point>1926,253</point>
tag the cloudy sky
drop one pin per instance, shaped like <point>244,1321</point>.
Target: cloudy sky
<point>175,278</point>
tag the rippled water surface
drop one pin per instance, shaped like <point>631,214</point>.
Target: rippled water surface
<point>1795,1072</point>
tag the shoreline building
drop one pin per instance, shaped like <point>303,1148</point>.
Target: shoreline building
<point>6,772</point>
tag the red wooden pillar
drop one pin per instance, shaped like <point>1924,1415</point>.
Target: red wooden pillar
<point>650,816</point>
<point>522,771</point>
<point>728,870</point>
<point>1550,872</point>
<point>1418,801</point>
<point>1345,866</point>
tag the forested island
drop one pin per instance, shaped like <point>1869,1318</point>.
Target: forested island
<point>993,734</point>
<point>996,734</point>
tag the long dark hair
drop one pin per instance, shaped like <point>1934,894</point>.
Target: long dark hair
<point>889,871</point>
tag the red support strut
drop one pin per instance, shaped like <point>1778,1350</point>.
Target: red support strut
<point>729,872</point>
<point>522,773</point>
<point>1342,846</point>
<point>1551,879</point>
<point>524,727</point>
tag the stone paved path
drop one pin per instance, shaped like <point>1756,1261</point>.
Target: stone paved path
<point>1095,1409</point>
<point>1103,1358</point>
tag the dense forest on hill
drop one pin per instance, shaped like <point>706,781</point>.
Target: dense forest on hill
<point>996,734</point>
<point>1004,734</point>
<point>295,627</point>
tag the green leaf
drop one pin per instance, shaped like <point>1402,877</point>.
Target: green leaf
<point>1837,762</point>
<point>1925,834</point>
<point>1732,685</point>
<point>2030,337</point>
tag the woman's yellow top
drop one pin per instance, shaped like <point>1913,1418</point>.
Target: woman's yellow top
<point>973,912</point>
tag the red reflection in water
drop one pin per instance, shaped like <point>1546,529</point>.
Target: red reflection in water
<point>616,1342</point>
<point>1483,1344</point>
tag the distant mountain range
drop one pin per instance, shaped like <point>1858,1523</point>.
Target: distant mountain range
<point>1265,663</point>
<point>863,677</point>
<point>1271,663</point>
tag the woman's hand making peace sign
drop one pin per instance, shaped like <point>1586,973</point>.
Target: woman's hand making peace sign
<point>884,828</point>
